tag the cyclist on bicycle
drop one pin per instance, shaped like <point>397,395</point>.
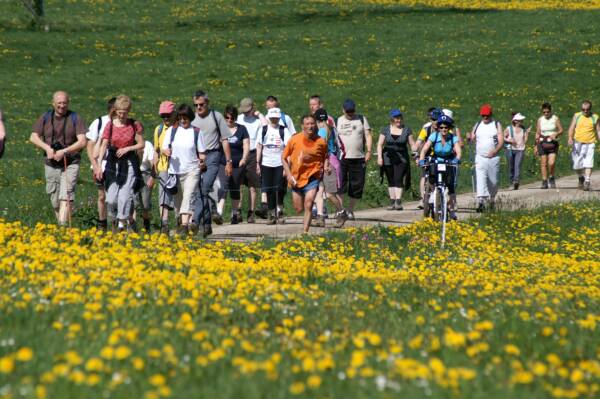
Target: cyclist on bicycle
<point>445,148</point>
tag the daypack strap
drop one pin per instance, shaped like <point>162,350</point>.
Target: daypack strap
<point>214,115</point>
<point>281,132</point>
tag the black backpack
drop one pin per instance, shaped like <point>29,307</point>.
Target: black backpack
<point>281,132</point>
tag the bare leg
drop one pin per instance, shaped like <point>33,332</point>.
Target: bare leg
<point>392,193</point>
<point>398,193</point>
<point>319,200</point>
<point>252,203</point>
<point>352,203</point>
<point>544,165</point>
<point>101,204</point>
<point>551,163</point>
<point>336,201</point>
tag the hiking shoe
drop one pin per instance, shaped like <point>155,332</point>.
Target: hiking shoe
<point>581,181</point>
<point>102,225</point>
<point>544,185</point>
<point>279,213</point>
<point>272,218</point>
<point>398,205</point>
<point>340,218</point>
<point>217,218</point>
<point>193,228</point>
<point>319,221</point>
<point>480,207</point>
<point>350,215</point>
<point>392,205</point>
<point>552,182</point>
<point>206,230</point>
<point>249,217</point>
<point>262,212</point>
<point>516,186</point>
<point>236,217</point>
<point>586,186</point>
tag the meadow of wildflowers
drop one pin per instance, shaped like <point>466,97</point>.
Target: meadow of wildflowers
<point>508,309</point>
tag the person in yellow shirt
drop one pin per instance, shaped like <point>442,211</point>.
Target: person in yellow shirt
<point>166,201</point>
<point>583,131</point>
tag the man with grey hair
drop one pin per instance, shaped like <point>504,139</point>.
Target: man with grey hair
<point>60,133</point>
<point>215,132</point>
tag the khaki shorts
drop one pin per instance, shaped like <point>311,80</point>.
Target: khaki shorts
<point>60,186</point>
<point>330,182</point>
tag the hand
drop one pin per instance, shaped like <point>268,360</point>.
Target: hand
<point>258,169</point>
<point>150,182</point>
<point>242,162</point>
<point>50,153</point>
<point>58,155</point>
<point>98,174</point>
<point>167,152</point>
<point>367,156</point>
<point>202,165</point>
<point>379,161</point>
<point>291,181</point>
<point>96,169</point>
<point>491,154</point>
<point>122,151</point>
<point>228,169</point>
<point>571,142</point>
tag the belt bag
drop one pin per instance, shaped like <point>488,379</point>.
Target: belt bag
<point>171,184</point>
<point>548,145</point>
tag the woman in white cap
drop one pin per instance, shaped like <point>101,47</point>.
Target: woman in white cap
<point>515,137</point>
<point>269,147</point>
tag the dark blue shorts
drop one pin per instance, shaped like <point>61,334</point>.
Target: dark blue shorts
<point>311,185</point>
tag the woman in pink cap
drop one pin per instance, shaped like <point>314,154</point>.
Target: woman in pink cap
<point>515,138</point>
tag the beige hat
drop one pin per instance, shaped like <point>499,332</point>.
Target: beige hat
<point>246,104</point>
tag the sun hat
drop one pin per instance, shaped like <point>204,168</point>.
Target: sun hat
<point>395,113</point>
<point>246,104</point>
<point>518,117</point>
<point>349,105</point>
<point>274,113</point>
<point>485,110</point>
<point>166,107</point>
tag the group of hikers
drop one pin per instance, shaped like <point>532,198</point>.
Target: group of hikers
<point>198,157</point>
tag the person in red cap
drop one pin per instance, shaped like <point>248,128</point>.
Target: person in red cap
<point>166,201</point>
<point>489,140</point>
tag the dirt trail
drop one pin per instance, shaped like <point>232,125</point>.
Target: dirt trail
<point>528,196</point>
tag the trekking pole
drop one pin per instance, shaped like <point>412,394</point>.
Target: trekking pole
<point>68,196</point>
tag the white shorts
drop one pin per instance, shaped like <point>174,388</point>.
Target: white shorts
<point>583,155</point>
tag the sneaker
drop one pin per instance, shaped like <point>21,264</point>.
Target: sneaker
<point>314,211</point>
<point>552,182</point>
<point>217,218</point>
<point>480,207</point>
<point>581,181</point>
<point>250,217</point>
<point>206,230</point>
<point>586,186</point>
<point>319,221</point>
<point>272,218</point>
<point>516,186</point>
<point>544,185</point>
<point>262,212</point>
<point>350,215</point>
<point>340,218</point>
<point>398,205</point>
<point>236,217</point>
<point>279,213</point>
<point>392,205</point>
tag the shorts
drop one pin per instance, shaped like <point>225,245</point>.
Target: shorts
<point>583,155</point>
<point>249,176</point>
<point>142,199</point>
<point>396,174</point>
<point>60,186</point>
<point>164,197</point>
<point>312,184</point>
<point>330,183</point>
<point>353,177</point>
<point>230,185</point>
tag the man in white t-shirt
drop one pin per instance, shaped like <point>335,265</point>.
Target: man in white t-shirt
<point>93,147</point>
<point>253,121</point>
<point>270,144</point>
<point>489,140</point>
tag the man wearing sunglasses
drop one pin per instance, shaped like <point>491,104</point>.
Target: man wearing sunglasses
<point>583,131</point>
<point>489,140</point>
<point>215,133</point>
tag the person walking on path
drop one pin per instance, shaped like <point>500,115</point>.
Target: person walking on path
<point>184,145</point>
<point>166,201</point>
<point>143,199</point>
<point>515,137</point>
<point>60,133</point>
<point>94,137</point>
<point>239,144</point>
<point>393,146</point>
<point>304,159</point>
<point>583,131</point>
<point>253,121</point>
<point>121,139</point>
<point>2,133</point>
<point>489,140</point>
<point>547,131</point>
<point>271,142</point>
<point>433,113</point>
<point>215,133</point>
<point>356,144</point>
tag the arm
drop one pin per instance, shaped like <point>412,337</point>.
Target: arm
<point>258,157</point>
<point>103,146</point>
<point>425,150</point>
<point>227,152</point>
<point>36,140</point>
<point>75,147</point>
<point>91,146</point>
<point>572,130</point>
<point>458,150</point>
<point>507,135</point>
<point>538,132</point>
<point>500,144</point>
<point>245,151</point>
<point>412,143</point>
<point>560,130</point>
<point>380,149</point>
<point>598,129</point>
<point>369,142</point>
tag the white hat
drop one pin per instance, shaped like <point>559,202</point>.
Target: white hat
<point>447,112</point>
<point>518,117</point>
<point>274,113</point>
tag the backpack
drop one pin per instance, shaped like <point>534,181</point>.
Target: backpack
<point>196,134</point>
<point>49,115</point>
<point>281,132</point>
<point>282,119</point>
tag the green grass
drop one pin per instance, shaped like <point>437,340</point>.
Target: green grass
<point>382,56</point>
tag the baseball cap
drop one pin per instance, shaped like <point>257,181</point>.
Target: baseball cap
<point>321,115</point>
<point>485,110</point>
<point>518,117</point>
<point>395,113</point>
<point>448,112</point>
<point>349,105</point>
<point>274,113</point>
<point>166,107</point>
<point>246,104</point>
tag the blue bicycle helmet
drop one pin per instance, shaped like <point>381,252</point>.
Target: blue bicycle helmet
<point>445,120</point>
<point>435,114</point>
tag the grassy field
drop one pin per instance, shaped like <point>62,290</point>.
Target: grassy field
<point>509,309</point>
<point>384,54</point>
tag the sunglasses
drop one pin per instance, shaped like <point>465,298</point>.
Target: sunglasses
<point>444,128</point>
<point>229,118</point>
<point>200,105</point>
<point>165,116</point>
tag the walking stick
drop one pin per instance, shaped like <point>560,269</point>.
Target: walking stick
<point>68,196</point>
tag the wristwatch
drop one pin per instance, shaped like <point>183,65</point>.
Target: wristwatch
<point>229,161</point>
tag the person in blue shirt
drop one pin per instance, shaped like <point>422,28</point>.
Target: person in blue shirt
<point>443,147</point>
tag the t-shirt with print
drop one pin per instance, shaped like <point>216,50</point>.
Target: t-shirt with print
<point>53,130</point>
<point>272,146</point>
<point>442,150</point>
<point>253,126</point>
<point>184,152</point>
<point>236,145</point>
<point>351,133</point>
<point>122,136</point>
<point>210,133</point>
<point>159,138</point>
<point>147,157</point>
<point>306,158</point>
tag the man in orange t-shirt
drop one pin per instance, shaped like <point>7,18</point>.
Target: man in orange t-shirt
<point>304,159</point>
